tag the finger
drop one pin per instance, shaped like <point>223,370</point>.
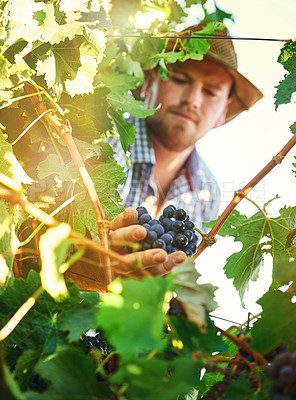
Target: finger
<point>174,259</point>
<point>127,217</point>
<point>141,259</point>
<point>128,234</point>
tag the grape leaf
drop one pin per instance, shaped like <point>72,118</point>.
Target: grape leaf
<point>54,247</point>
<point>174,377</point>
<point>287,86</point>
<point>9,165</point>
<point>72,376</point>
<point>293,128</point>
<point>283,273</point>
<point>274,325</point>
<point>132,316</point>
<point>88,115</point>
<point>259,235</point>
<point>126,130</point>
<point>60,64</point>
<point>4,73</point>
<point>9,388</point>
<point>197,300</point>
<point>9,243</point>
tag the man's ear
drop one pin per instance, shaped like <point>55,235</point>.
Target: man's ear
<point>222,117</point>
<point>150,75</point>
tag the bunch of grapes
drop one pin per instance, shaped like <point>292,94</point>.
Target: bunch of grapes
<point>282,372</point>
<point>173,231</point>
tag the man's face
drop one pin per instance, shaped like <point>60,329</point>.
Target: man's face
<point>193,100</point>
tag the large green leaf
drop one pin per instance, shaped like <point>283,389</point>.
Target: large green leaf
<point>132,315</point>
<point>259,235</point>
<point>72,377</point>
<point>274,325</point>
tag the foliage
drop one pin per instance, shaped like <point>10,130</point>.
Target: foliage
<point>84,61</point>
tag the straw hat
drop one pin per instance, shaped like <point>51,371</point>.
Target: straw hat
<point>244,93</point>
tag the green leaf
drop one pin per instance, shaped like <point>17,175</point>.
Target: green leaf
<point>81,317</point>
<point>158,379</point>
<point>293,128</point>
<point>197,300</point>
<point>54,247</point>
<point>4,73</point>
<point>132,315</point>
<point>8,386</point>
<point>72,376</point>
<point>53,165</point>
<point>287,87</point>
<point>9,165</point>
<point>126,130</point>
<point>10,221</point>
<point>284,272</point>
<point>60,65</point>
<point>259,235</point>
<point>274,325</point>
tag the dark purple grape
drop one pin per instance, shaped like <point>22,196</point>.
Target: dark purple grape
<point>287,375</point>
<point>171,248</point>
<point>167,238</point>
<point>158,244</point>
<point>141,210</point>
<point>188,234</point>
<point>181,214</point>
<point>147,227</point>
<point>188,252</point>
<point>144,219</point>
<point>159,229</point>
<point>167,224</point>
<point>194,238</point>
<point>151,236</point>
<point>173,234</point>
<point>189,225</point>
<point>169,212</point>
<point>178,226</point>
<point>192,247</point>
<point>153,222</point>
<point>181,241</point>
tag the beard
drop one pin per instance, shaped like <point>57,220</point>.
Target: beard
<point>173,133</point>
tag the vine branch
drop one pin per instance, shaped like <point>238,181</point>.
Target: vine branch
<point>209,238</point>
<point>65,130</point>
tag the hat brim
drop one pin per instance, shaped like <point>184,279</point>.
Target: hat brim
<point>244,93</point>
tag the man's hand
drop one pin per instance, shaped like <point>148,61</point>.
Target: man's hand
<point>154,262</point>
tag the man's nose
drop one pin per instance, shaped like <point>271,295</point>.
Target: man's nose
<point>192,96</point>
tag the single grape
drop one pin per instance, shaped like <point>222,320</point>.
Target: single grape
<point>189,225</point>
<point>158,244</point>
<point>173,234</point>
<point>181,214</point>
<point>178,226</point>
<point>188,252</point>
<point>144,218</point>
<point>194,238</point>
<point>147,226</point>
<point>141,210</point>
<point>167,224</point>
<point>188,234</point>
<point>169,212</point>
<point>153,222</point>
<point>181,241</point>
<point>151,236</point>
<point>171,248</point>
<point>167,238</point>
<point>192,247</point>
<point>159,229</point>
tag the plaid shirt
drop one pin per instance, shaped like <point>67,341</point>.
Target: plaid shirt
<point>194,189</point>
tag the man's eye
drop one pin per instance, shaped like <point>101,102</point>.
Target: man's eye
<point>210,92</point>
<point>178,79</point>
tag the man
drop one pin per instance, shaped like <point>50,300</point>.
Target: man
<point>165,166</point>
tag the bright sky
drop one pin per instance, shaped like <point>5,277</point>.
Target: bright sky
<point>237,151</point>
